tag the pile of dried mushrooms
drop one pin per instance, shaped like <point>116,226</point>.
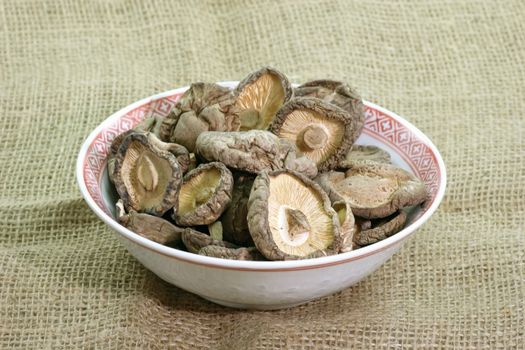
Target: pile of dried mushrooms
<point>261,172</point>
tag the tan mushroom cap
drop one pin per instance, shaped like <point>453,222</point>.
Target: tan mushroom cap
<point>347,222</point>
<point>250,253</point>
<point>337,93</point>
<point>148,226</point>
<point>364,154</point>
<point>374,190</point>
<point>194,241</point>
<point>204,195</point>
<point>322,132</point>
<point>381,229</point>
<point>147,178</point>
<point>235,218</point>
<point>203,107</point>
<point>290,217</point>
<point>259,97</point>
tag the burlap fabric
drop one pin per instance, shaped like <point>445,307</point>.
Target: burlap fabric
<point>456,69</point>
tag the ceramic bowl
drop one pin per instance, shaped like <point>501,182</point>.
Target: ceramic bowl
<point>265,284</point>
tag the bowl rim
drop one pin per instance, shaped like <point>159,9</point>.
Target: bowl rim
<point>260,266</point>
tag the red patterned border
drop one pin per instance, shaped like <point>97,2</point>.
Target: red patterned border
<point>377,124</point>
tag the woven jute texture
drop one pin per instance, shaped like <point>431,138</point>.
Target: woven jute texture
<point>456,69</point>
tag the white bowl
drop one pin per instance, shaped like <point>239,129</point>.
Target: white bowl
<point>261,284</point>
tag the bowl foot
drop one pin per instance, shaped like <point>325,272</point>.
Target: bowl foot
<point>253,306</point>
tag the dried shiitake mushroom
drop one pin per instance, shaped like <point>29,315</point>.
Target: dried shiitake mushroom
<point>215,230</point>
<point>243,253</point>
<point>147,177</point>
<point>204,195</point>
<point>203,107</point>
<point>259,97</point>
<point>150,124</point>
<point>336,93</point>
<point>194,241</point>
<point>374,190</point>
<point>290,217</point>
<point>148,226</point>
<point>381,229</point>
<point>252,151</point>
<point>234,220</point>
<point>347,222</point>
<point>321,131</point>
<point>360,154</point>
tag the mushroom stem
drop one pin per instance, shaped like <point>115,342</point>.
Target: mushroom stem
<point>147,174</point>
<point>203,195</point>
<point>312,137</point>
<point>297,222</point>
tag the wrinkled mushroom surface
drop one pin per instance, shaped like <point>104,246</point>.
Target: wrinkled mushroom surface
<point>150,124</point>
<point>235,218</point>
<point>381,229</point>
<point>360,154</point>
<point>290,217</point>
<point>337,93</point>
<point>204,195</point>
<point>149,226</point>
<point>147,178</point>
<point>374,190</point>
<point>322,132</point>
<point>194,241</point>
<point>259,96</point>
<point>347,222</point>
<point>242,253</point>
<point>252,151</point>
<point>203,107</point>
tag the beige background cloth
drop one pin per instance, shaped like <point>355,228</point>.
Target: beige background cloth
<point>456,69</point>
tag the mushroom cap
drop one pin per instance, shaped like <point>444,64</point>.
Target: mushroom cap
<point>146,178</point>
<point>374,190</point>
<point>290,217</point>
<point>337,93</point>
<point>148,226</point>
<point>251,151</point>
<point>203,107</point>
<point>204,195</point>
<point>250,253</point>
<point>361,154</point>
<point>321,131</point>
<point>381,229</point>
<point>194,241</point>
<point>347,222</point>
<point>235,218</point>
<point>259,96</point>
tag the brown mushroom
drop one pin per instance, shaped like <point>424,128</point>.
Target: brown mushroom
<point>203,107</point>
<point>380,229</point>
<point>204,195</point>
<point>194,241</point>
<point>150,124</point>
<point>148,226</point>
<point>234,219</point>
<point>347,222</point>
<point>250,253</point>
<point>251,151</point>
<point>147,178</point>
<point>215,230</point>
<point>360,154</point>
<point>290,217</point>
<point>374,190</point>
<point>321,131</point>
<point>259,97</point>
<point>336,93</point>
